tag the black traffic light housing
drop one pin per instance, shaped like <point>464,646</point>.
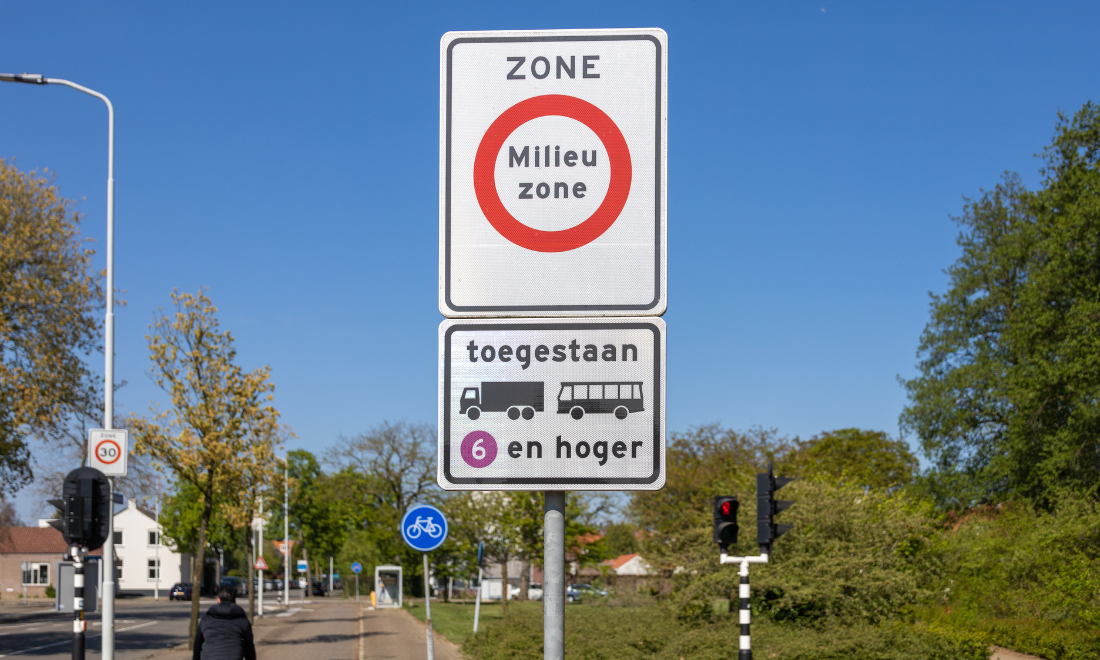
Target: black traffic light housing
<point>767,507</point>
<point>85,507</point>
<point>725,521</point>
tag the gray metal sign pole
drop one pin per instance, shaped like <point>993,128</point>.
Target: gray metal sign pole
<point>428,609</point>
<point>553,581</point>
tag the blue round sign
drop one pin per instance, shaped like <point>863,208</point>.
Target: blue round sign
<point>356,567</point>
<point>424,528</point>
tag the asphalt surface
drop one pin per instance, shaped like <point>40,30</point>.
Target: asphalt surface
<point>318,629</point>
<point>142,627</point>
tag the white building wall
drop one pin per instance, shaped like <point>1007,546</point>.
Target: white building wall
<point>138,548</point>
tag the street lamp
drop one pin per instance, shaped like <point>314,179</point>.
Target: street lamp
<point>108,635</point>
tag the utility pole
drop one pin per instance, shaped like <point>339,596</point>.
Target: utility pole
<point>108,642</point>
<point>156,582</point>
<point>260,595</point>
<point>286,535</point>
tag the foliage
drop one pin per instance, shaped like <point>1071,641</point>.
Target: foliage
<point>620,539</point>
<point>1006,403</point>
<point>650,633</point>
<point>855,554</point>
<point>1018,562</point>
<point>221,428</point>
<point>865,458</point>
<point>358,547</point>
<point>701,463</point>
<point>48,295</point>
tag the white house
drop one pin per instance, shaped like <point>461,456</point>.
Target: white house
<point>136,536</point>
<point>631,564</point>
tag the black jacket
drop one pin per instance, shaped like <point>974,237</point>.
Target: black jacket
<point>224,634</point>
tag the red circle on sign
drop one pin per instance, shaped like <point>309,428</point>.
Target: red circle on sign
<point>118,451</point>
<point>618,188</point>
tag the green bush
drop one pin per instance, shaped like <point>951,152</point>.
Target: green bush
<point>855,555</point>
<point>649,633</point>
<point>50,593</point>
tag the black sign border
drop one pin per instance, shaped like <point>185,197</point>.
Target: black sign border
<point>658,196</point>
<point>658,431</point>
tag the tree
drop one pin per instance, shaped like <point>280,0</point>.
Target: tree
<point>219,413</point>
<point>1007,402</point>
<point>48,297</point>
<point>620,539</point>
<point>864,458</point>
<point>488,517</point>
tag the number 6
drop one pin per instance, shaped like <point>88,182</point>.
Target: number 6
<point>477,451</point>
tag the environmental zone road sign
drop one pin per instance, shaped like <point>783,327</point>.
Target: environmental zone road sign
<point>547,404</point>
<point>424,527</point>
<point>110,449</point>
<point>552,173</point>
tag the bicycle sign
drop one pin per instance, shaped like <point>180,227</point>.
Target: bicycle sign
<point>424,528</point>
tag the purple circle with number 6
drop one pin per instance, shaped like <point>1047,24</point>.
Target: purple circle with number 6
<point>479,449</point>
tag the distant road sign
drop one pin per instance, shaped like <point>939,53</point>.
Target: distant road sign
<point>260,565</point>
<point>109,451</point>
<point>303,566</point>
<point>356,567</point>
<point>553,173</point>
<point>424,527</point>
<point>539,404</point>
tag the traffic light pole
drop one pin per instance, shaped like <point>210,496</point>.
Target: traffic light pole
<point>107,641</point>
<point>78,602</point>
<point>745,616</point>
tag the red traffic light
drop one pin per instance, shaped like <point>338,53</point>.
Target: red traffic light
<point>725,508</point>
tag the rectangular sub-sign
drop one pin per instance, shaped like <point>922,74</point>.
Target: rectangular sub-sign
<point>552,404</point>
<point>553,173</point>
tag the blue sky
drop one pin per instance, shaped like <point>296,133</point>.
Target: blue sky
<point>286,156</point>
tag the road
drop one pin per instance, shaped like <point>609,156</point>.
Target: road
<point>319,629</point>
<point>141,627</point>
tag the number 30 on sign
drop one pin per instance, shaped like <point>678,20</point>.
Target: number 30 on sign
<point>109,450</point>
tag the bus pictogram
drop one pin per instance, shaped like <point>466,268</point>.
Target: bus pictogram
<point>577,399</point>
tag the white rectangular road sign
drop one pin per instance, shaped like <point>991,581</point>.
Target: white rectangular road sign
<point>552,404</point>
<point>552,173</point>
<point>109,450</point>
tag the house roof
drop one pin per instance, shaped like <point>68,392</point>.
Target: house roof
<point>617,562</point>
<point>32,540</point>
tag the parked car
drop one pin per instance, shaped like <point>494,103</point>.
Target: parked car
<point>320,588</point>
<point>278,584</point>
<point>180,591</point>
<point>269,585</point>
<point>575,592</point>
<point>534,591</point>
<point>231,581</point>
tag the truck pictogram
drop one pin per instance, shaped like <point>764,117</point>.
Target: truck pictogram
<point>520,399</point>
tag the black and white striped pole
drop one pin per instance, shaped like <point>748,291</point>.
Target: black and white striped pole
<point>744,615</point>
<point>79,623</point>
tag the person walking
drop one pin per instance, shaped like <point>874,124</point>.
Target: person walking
<point>225,633</point>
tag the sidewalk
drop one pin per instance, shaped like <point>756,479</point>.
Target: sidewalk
<point>395,634</point>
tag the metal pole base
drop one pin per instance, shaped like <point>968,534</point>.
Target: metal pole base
<point>744,655</point>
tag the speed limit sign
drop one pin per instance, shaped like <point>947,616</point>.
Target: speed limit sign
<point>109,449</point>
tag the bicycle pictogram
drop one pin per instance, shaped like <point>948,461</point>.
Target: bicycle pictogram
<point>423,525</point>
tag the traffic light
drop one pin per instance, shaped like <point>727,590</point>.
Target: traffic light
<point>725,521</point>
<point>85,507</point>
<point>767,507</point>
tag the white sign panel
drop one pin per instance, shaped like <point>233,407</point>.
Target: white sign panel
<point>545,404</point>
<point>109,451</point>
<point>552,173</point>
